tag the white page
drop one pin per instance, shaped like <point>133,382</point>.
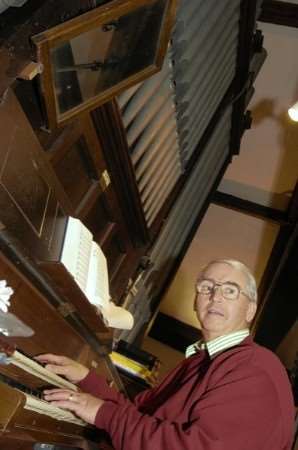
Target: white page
<point>97,289</point>
<point>76,251</point>
<point>117,317</point>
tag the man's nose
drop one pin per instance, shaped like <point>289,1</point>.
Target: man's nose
<point>216,293</point>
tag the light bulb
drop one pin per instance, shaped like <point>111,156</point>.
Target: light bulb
<point>293,112</point>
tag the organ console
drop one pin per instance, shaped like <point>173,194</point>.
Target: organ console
<point>26,420</point>
<point>23,412</point>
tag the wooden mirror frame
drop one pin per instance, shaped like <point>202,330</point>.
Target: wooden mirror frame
<point>101,15</point>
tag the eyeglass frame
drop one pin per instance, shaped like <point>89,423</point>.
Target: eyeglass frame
<point>216,285</point>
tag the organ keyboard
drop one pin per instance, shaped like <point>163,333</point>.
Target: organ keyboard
<point>42,407</point>
<point>24,415</point>
<point>34,368</point>
<point>36,404</point>
<point>16,399</point>
<point>26,420</point>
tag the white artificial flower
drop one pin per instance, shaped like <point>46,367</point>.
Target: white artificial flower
<point>5,294</point>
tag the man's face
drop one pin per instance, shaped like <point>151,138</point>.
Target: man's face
<point>217,315</point>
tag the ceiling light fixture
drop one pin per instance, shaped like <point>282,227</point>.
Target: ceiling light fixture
<point>293,112</point>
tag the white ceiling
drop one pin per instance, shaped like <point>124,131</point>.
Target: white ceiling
<point>267,168</point>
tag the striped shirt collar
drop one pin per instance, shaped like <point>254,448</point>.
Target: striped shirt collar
<point>217,345</point>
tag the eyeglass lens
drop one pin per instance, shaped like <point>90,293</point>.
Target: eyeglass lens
<point>227,290</point>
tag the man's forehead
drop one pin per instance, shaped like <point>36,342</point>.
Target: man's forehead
<point>221,271</point>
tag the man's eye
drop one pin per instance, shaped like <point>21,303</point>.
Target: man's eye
<point>230,290</point>
<point>206,288</point>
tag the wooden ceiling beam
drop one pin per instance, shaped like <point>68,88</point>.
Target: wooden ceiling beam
<point>279,13</point>
<point>250,208</point>
<point>278,310</point>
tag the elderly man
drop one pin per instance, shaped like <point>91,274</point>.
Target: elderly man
<point>230,395</point>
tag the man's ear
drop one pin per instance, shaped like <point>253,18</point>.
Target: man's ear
<point>194,302</point>
<point>251,311</point>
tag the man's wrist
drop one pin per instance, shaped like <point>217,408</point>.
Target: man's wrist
<point>98,411</point>
<point>83,377</point>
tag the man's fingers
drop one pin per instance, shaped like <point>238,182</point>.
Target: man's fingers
<point>58,370</point>
<point>84,406</point>
<point>54,363</point>
<point>58,394</point>
<point>62,365</point>
<point>66,404</point>
<point>56,390</point>
<point>53,359</point>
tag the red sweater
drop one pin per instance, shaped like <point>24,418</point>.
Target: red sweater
<point>241,400</point>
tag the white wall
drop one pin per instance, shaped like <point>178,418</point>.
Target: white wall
<point>267,168</point>
<point>223,234</point>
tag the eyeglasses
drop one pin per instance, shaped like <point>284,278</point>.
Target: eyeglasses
<point>229,290</point>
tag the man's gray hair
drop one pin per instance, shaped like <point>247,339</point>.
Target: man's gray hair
<point>251,286</point>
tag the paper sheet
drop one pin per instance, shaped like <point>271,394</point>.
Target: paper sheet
<point>117,317</point>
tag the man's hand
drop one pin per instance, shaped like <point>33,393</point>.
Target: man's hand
<point>61,365</point>
<point>82,405</point>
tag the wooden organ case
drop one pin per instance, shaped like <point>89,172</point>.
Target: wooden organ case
<point>34,207</point>
<point>48,173</point>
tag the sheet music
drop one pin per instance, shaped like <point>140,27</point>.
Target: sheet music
<point>76,251</point>
<point>97,289</point>
<point>85,260</point>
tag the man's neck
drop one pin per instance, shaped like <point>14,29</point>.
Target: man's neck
<point>218,344</point>
<point>221,343</point>
<point>208,336</point>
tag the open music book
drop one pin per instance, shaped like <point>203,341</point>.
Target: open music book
<point>86,262</point>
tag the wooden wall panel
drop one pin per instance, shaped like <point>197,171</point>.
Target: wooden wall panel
<point>28,190</point>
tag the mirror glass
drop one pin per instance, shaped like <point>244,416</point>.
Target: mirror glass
<point>92,62</point>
